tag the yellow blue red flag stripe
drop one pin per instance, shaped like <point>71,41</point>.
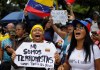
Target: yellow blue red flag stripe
<point>38,8</point>
<point>48,3</point>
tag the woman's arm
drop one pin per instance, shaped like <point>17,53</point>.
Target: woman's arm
<point>62,34</point>
<point>57,58</point>
<point>10,50</point>
<point>96,55</point>
<point>71,16</point>
<point>28,23</point>
<point>64,66</point>
<point>97,64</point>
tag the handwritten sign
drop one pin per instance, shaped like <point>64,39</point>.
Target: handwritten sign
<point>39,55</point>
<point>59,16</point>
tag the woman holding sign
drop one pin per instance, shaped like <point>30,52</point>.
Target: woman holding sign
<point>66,36</point>
<point>37,33</point>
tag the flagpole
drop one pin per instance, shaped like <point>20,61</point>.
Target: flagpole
<point>56,4</point>
<point>23,17</point>
<point>23,11</point>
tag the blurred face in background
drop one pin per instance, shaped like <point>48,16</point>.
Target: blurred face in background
<point>37,35</point>
<point>12,36</point>
<point>70,28</point>
<point>64,29</point>
<point>48,24</point>
<point>19,31</point>
<point>10,26</point>
<point>95,16</point>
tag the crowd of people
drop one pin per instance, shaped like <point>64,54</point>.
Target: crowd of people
<point>77,43</point>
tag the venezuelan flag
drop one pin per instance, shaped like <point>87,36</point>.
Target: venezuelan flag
<point>39,7</point>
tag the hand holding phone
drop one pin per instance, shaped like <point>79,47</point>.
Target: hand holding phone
<point>94,33</point>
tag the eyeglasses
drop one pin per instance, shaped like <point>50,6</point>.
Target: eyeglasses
<point>81,27</point>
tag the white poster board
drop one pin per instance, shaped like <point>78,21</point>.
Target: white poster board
<point>40,55</point>
<point>59,16</point>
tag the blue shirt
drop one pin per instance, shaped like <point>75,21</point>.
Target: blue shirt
<point>66,43</point>
<point>63,49</point>
<point>48,34</point>
<point>6,42</point>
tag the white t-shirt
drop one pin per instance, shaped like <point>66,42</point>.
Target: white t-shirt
<point>77,57</point>
<point>94,26</point>
<point>57,38</point>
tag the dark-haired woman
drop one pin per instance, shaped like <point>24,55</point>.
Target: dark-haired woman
<point>82,54</point>
<point>21,36</point>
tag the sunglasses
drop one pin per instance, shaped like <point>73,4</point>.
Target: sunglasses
<point>77,27</point>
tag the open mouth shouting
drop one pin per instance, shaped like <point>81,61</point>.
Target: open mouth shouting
<point>37,36</point>
<point>77,34</point>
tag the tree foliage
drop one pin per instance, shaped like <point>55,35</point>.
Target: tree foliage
<point>83,7</point>
<point>14,5</point>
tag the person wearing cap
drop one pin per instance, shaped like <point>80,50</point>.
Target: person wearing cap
<point>89,20</point>
<point>6,59</point>
<point>81,54</point>
<point>37,34</point>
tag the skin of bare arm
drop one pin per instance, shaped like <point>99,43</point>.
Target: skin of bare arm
<point>64,66</point>
<point>71,16</point>
<point>62,34</point>
<point>97,64</point>
<point>11,51</point>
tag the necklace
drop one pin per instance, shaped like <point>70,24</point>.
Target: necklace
<point>79,53</point>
